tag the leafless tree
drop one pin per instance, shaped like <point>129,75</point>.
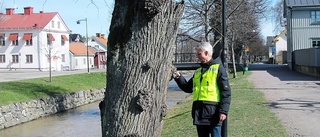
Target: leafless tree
<point>279,20</point>
<point>244,23</point>
<point>140,52</point>
<point>202,19</point>
<point>50,51</point>
<point>196,20</point>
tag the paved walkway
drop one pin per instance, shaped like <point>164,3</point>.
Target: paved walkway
<point>294,97</point>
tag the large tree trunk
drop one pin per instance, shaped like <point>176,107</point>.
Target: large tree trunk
<point>140,54</point>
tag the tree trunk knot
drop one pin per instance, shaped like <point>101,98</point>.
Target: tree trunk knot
<point>144,99</point>
<point>164,110</point>
<point>147,66</point>
<point>133,135</point>
<point>150,7</point>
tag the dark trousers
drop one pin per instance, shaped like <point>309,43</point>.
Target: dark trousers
<point>209,131</point>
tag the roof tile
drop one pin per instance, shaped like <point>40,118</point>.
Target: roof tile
<point>79,48</point>
<point>21,21</point>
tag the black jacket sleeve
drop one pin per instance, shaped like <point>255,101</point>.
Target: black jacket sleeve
<point>225,90</point>
<point>185,85</point>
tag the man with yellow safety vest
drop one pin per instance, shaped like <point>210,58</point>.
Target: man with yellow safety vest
<point>211,92</point>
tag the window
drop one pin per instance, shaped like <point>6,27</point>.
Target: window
<point>316,42</point>
<point>63,58</point>
<point>14,38</point>
<point>29,59</point>
<point>2,58</point>
<point>62,42</point>
<point>2,41</point>
<point>58,24</point>
<point>315,17</point>
<point>63,39</point>
<point>52,24</point>
<point>15,59</point>
<point>103,58</point>
<point>28,38</point>
<point>84,61</point>
<point>50,38</point>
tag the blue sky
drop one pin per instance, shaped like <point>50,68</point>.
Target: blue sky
<point>99,15</point>
<point>267,25</point>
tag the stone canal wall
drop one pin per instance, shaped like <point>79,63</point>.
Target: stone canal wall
<point>17,113</point>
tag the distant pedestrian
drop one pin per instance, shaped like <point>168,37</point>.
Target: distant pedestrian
<point>245,67</point>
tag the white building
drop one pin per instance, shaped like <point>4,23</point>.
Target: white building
<point>277,48</point>
<point>99,43</point>
<point>79,57</point>
<point>30,40</point>
<point>303,26</point>
<point>272,49</point>
<point>280,42</point>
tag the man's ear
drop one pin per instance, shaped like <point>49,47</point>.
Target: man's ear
<point>206,53</point>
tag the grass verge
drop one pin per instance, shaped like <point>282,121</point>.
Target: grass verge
<point>25,90</point>
<point>249,115</point>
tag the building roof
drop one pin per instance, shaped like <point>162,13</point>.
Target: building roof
<point>302,3</point>
<point>100,39</point>
<point>26,20</point>
<point>95,50</point>
<point>103,41</point>
<point>280,35</point>
<point>79,48</point>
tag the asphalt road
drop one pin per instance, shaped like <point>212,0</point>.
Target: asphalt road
<point>292,96</point>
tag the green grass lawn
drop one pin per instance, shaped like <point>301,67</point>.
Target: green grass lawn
<point>25,90</point>
<point>249,115</point>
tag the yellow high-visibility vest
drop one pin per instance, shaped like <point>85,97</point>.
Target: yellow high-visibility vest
<point>206,89</point>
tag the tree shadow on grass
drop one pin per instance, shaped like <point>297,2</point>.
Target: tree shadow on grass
<point>32,90</point>
<point>180,114</point>
<point>292,104</point>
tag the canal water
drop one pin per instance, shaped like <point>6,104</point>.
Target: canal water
<point>83,121</point>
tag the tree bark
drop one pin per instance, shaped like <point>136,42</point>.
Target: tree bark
<point>140,54</point>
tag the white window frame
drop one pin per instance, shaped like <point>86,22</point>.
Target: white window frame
<point>15,58</point>
<point>63,57</point>
<point>2,41</point>
<point>52,24</point>
<point>29,58</point>
<point>315,42</point>
<point>315,17</point>
<point>2,58</point>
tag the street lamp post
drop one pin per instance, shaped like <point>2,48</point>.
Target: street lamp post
<point>78,22</point>
<point>224,128</point>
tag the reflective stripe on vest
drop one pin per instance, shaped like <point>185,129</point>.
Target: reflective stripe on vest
<point>206,89</point>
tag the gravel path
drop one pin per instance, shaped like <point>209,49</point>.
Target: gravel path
<point>294,97</point>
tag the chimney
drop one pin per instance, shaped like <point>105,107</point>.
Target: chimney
<point>9,11</point>
<point>28,10</point>
<point>102,36</point>
<point>98,35</point>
